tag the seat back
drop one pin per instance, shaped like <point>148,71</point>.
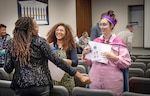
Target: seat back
<point>4,75</point>
<point>79,56</point>
<point>139,85</point>
<point>59,91</point>
<point>144,57</point>
<point>133,94</point>
<point>133,58</point>
<point>148,65</point>
<point>147,73</point>
<point>138,65</point>
<point>80,68</point>
<point>5,89</point>
<point>81,62</point>
<point>136,72</point>
<point>80,91</point>
<point>146,61</point>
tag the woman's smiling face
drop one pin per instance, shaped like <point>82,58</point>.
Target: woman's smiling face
<point>60,32</point>
<point>105,26</point>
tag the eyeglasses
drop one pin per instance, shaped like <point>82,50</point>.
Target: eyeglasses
<point>103,24</point>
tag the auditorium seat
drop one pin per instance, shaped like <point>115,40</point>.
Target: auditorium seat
<point>138,65</point>
<point>148,65</point>
<point>133,94</point>
<point>80,68</point>
<point>133,58</point>
<point>144,57</point>
<point>5,89</point>
<point>147,73</point>
<point>136,72</point>
<point>4,75</point>
<point>146,61</point>
<point>84,64</point>
<point>80,91</point>
<point>59,91</point>
<point>139,85</point>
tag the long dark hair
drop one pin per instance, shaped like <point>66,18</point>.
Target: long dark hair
<point>21,39</point>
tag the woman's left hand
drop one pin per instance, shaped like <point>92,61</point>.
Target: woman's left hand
<point>110,55</point>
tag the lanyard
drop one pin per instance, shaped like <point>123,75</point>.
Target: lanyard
<point>106,41</point>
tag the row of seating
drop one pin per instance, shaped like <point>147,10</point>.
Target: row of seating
<point>139,69</point>
<point>139,65</point>
<point>138,87</point>
<point>139,56</point>
<point>138,72</point>
<point>143,58</point>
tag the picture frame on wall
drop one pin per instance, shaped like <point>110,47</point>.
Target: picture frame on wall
<point>38,9</point>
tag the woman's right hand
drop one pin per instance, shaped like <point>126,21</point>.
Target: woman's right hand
<point>86,50</point>
<point>83,79</point>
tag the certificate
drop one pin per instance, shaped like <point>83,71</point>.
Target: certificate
<point>96,50</point>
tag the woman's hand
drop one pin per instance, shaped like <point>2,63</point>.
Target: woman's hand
<point>68,61</point>
<point>86,50</point>
<point>83,79</point>
<point>110,55</point>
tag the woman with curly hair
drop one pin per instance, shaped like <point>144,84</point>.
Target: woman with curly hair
<point>60,37</point>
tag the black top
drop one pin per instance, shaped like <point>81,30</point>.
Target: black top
<point>36,73</point>
<point>71,54</point>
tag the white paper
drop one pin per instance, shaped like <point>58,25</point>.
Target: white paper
<point>96,50</point>
<point>55,71</point>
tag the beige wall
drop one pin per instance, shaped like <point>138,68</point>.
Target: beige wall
<point>59,11</point>
<point>120,8</point>
<point>65,11</point>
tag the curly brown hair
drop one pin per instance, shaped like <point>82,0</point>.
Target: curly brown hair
<point>24,28</point>
<point>68,39</point>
